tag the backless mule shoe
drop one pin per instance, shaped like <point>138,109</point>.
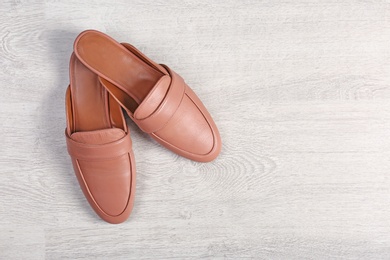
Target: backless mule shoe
<point>156,98</point>
<point>99,145</point>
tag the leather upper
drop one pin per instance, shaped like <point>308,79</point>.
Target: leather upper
<point>169,92</point>
<point>99,144</point>
<point>103,163</point>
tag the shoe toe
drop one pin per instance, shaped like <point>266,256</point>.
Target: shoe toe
<point>108,184</point>
<point>191,130</point>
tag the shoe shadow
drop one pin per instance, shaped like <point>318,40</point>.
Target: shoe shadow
<point>60,47</point>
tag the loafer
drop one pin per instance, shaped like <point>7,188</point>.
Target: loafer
<point>154,96</point>
<point>99,145</point>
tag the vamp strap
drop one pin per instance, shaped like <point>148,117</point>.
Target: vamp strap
<point>159,118</point>
<point>85,151</point>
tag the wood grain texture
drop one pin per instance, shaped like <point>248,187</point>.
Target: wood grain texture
<point>300,91</point>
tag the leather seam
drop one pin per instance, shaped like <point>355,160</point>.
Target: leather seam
<point>106,104</point>
<point>71,142</point>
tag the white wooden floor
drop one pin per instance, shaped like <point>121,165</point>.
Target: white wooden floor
<point>300,91</point>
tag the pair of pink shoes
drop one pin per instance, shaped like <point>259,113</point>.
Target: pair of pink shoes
<point>106,76</point>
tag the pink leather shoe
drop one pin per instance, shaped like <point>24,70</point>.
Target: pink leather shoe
<point>99,144</point>
<point>156,98</point>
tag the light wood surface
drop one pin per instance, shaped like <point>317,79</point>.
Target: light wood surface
<point>300,91</point>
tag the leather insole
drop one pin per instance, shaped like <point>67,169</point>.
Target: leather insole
<point>133,76</point>
<point>89,99</point>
